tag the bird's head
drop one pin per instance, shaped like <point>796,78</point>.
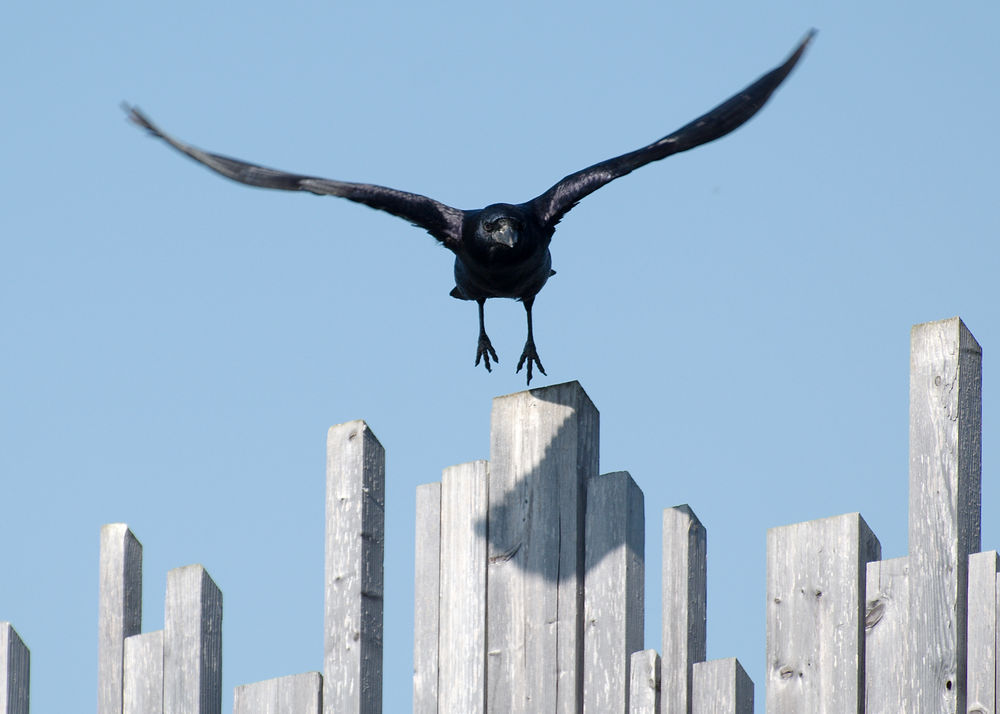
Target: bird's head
<point>499,228</point>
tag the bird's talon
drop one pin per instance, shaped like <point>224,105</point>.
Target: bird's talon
<point>530,355</point>
<point>484,351</point>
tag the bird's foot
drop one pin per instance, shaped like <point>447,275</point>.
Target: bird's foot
<point>485,351</point>
<point>530,355</point>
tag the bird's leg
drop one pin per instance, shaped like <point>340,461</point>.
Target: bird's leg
<point>485,349</point>
<point>530,354</point>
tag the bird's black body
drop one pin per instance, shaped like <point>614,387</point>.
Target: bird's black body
<point>502,251</point>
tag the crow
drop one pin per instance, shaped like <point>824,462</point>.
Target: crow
<point>502,250</point>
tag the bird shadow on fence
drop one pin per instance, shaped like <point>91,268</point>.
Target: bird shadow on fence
<point>544,461</point>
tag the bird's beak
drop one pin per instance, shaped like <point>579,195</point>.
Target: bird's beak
<point>506,235</point>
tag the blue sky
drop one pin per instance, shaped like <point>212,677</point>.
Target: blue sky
<point>174,346</point>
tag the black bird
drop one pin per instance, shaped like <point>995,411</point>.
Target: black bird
<point>501,251</point>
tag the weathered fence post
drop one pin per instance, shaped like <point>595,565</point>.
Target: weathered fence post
<point>684,605</point>
<point>119,612</point>
<point>815,614</point>
<point>462,635</point>
<point>192,643</point>
<point>644,683</point>
<point>721,686</point>
<point>614,583</point>
<point>983,633</point>
<point>544,447</point>
<point>143,677</point>
<point>426,598</point>
<point>886,620</point>
<point>15,672</point>
<point>945,465</point>
<point>294,694</point>
<point>355,538</point>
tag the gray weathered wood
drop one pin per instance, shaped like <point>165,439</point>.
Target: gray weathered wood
<point>355,542</point>
<point>426,598</point>
<point>462,642</point>
<point>544,446</point>
<point>192,643</point>
<point>945,455</point>
<point>644,683</point>
<point>887,595</point>
<point>721,686</point>
<point>684,606</point>
<point>119,613</point>
<point>614,583</point>
<point>294,694</point>
<point>15,672</point>
<point>982,647</point>
<point>143,673</point>
<point>816,574</point>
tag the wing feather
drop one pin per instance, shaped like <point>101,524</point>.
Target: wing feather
<point>552,205</point>
<point>441,221</point>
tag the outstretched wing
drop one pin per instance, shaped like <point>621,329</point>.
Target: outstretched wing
<point>552,205</point>
<point>441,221</point>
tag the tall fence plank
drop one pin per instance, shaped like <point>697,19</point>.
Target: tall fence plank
<point>119,613</point>
<point>684,605</point>
<point>143,673</point>
<point>614,582</point>
<point>426,598</point>
<point>544,446</point>
<point>944,522</point>
<point>295,694</point>
<point>644,683</point>
<point>816,574</point>
<point>462,642</point>
<point>355,542</point>
<point>721,686</point>
<point>886,677</point>
<point>982,649</point>
<point>15,672</point>
<point>192,643</point>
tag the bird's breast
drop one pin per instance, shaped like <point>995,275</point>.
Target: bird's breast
<point>476,280</point>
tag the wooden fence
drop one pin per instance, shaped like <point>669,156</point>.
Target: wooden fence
<point>529,586</point>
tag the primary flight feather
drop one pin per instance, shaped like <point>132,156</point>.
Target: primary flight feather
<point>501,250</point>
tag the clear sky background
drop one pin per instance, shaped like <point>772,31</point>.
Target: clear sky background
<point>174,346</point>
